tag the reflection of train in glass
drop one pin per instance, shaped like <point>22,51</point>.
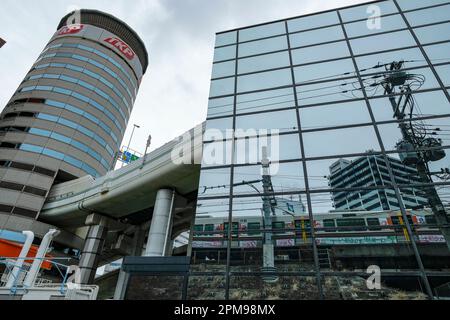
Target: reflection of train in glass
<point>330,229</point>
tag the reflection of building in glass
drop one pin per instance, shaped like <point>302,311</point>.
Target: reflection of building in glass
<point>371,171</point>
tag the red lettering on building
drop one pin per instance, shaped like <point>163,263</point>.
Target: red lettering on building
<point>122,47</point>
<point>72,29</point>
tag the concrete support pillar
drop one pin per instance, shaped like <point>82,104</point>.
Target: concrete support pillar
<point>93,246</point>
<point>121,286</point>
<point>159,235</point>
<point>124,277</point>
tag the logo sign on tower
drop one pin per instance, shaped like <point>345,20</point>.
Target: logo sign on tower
<point>70,29</point>
<point>122,47</point>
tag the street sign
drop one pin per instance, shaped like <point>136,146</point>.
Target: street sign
<point>127,157</point>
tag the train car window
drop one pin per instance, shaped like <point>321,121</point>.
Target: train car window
<point>371,222</point>
<point>430,220</point>
<point>279,225</point>
<point>253,228</point>
<point>396,220</point>
<point>329,223</point>
<point>351,224</point>
<point>302,228</point>
<point>198,228</point>
<point>234,230</point>
<point>209,227</point>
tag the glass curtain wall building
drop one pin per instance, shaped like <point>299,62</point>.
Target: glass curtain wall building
<point>290,98</point>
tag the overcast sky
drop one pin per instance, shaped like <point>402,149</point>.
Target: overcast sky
<point>179,35</point>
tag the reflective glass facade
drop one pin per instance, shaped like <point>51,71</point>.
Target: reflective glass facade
<point>326,152</point>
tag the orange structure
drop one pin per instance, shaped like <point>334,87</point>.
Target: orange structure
<point>10,249</point>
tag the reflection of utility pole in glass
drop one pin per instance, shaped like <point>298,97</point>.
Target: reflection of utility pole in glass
<point>268,210</point>
<point>414,139</point>
<point>131,138</point>
<point>269,202</point>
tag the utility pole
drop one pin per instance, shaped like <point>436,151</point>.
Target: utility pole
<point>269,203</point>
<point>410,143</point>
<point>144,158</point>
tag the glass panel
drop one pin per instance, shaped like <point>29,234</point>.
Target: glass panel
<point>421,79</point>
<point>55,154</point>
<point>209,248</point>
<point>334,115</point>
<point>283,147</point>
<point>430,103</point>
<point>414,4</point>
<point>375,25</point>
<point>247,253</point>
<point>214,125</point>
<point>322,52</point>
<point>316,36</point>
<point>264,80</point>
<point>426,16</point>
<point>382,42</point>
<point>366,11</point>
<point>224,39</point>
<point>266,100</point>
<point>280,120</point>
<point>331,142</point>
<point>224,69</point>
<point>324,71</point>
<point>225,53</point>
<point>329,91</point>
<point>216,153</point>
<point>263,31</point>
<point>320,171</point>
<point>313,21</point>
<point>263,46</point>
<point>444,74</point>
<point>222,87</point>
<point>425,134</point>
<point>220,107</point>
<point>264,62</point>
<point>438,53</point>
<point>285,177</point>
<point>214,182</point>
<point>378,62</point>
<point>440,32</point>
<point>362,172</point>
<point>351,208</point>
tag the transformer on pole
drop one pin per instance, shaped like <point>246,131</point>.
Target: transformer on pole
<point>415,150</point>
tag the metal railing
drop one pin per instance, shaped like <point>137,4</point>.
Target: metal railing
<point>66,288</point>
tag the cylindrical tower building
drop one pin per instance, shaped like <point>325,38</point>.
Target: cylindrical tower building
<point>68,117</point>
